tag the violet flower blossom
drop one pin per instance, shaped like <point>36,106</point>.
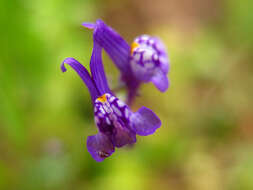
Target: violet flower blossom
<point>117,124</point>
<point>145,61</point>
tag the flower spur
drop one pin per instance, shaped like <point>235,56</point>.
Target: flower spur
<point>117,124</point>
<point>145,61</point>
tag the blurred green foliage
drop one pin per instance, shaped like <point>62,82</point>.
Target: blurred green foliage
<point>205,141</point>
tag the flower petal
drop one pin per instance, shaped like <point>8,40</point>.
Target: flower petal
<point>149,61</point>
<point>123,135</point>
<point>144,122</point>
<point>97,69</point>
<point>116,47</point>
<point>161,81</point>
<point>89,25</point>
<point>164,61</point>
<point>84,74</point>
<point>100,146</point>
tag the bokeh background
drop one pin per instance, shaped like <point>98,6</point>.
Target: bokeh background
<point>205,142</point>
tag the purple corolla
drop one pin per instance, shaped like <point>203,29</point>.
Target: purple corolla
<point>117,124</point>
<point>144,61</point>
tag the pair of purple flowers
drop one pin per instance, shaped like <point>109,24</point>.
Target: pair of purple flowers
<point>145,61</point>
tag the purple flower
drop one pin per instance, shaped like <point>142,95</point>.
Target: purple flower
<point>117,124</point>
<point>145,61</point>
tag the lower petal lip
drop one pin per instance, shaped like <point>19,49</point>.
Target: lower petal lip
<point>145,122</point>
<point>100,146</point>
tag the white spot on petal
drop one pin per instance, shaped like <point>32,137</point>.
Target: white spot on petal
<point>147,55</point>
<point>151,42</point>
<point>107,109</point>
<point>126,113</point>
<point>102,110</point>
<point>144,37</point>
<point>120,103</point>
<point>116,110</point>
<point>108,121</point>
<point>112,99</point>
<point>137,57</point>
<point>155,57</point>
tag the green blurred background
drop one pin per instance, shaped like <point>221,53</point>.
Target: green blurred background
<point>205,142</point>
